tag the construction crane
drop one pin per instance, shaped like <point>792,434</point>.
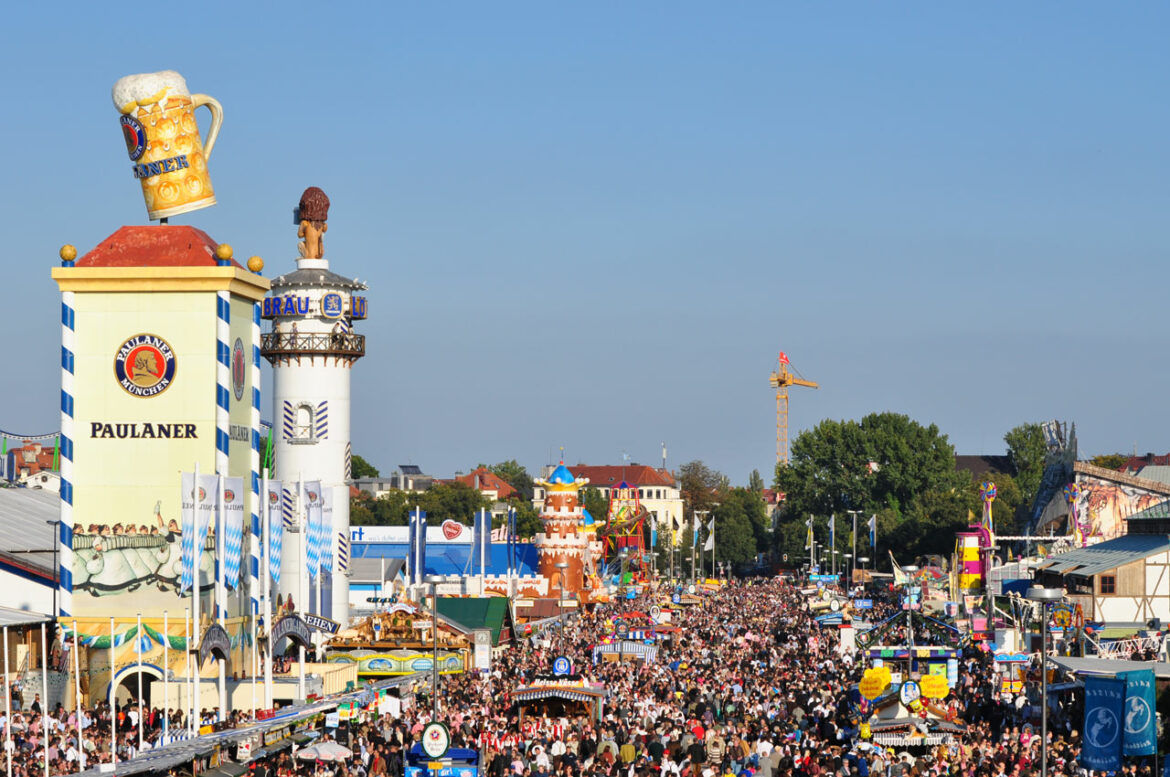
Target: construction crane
<point>780,380</point>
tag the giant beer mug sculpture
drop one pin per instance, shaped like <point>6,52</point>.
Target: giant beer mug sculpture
<point>162,138</point>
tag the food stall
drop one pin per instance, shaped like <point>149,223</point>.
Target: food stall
<point>560,697</point>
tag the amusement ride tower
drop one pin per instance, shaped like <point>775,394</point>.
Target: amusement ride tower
<point>312,348</point>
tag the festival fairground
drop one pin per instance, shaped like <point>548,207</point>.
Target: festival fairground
<point>215,613</point>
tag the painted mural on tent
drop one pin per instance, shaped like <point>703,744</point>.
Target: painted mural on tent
<point>1104,505</point>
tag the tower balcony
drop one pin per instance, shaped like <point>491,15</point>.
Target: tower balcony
<point>279,346</point>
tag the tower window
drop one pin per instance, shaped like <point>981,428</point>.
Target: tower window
<point>299,422</point>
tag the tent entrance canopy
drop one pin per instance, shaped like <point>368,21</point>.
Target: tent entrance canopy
<point>560,700</point>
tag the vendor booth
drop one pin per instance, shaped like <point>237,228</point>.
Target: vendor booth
<point>560,698</point>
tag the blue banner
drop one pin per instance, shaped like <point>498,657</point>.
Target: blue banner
<point>1104,701</point>
<point>1139,724</point>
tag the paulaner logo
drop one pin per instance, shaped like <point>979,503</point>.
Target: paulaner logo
<point>145,365</point>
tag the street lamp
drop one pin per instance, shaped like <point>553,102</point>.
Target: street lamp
<point>1045,597</point>
<point>849,566</point>
<point>910,571</point>
<point>561,567</point>
<point>433,581</point>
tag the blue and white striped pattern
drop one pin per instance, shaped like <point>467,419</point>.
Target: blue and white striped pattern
<point>326,549</point>
<point>223,379</point>
<point>254,587</point>
<point>342,552</point>
<point>312,537</point>
<point>321,420</point>
<point>65,527</point>
<point>287,419</point>
<point>275,543</point>
<point>286,509</point>
<point>233,537</point>
<point>187,532</point>
<point>223,392</point>
<point>348,462</point>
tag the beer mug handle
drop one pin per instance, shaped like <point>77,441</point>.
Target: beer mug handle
<point>216,120</point>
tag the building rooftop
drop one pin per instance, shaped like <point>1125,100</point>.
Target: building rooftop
<point>27,537</point>
<point>607,476</point>
<point>1086,562</point>
<point>982,465</point>
<point>154,246</point>
<point>483,479</point>
<point>316,277</point>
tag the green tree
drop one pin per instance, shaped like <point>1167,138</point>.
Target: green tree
<point>885,460</point>
<point>390,509</point>
<point>755,481</point>
<point>1027,451</point>
<point>1110,460</point>
<point>1009,511</point>
<point>595,503</point>
<point>735,539</point>
<point>456,501</point>
<point>360,468</point>
<point>527,519</point>
<point>885,463</point>
<point>515,475</point>
<point>702,487</point>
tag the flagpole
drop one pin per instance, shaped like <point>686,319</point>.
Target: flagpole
<point>304,516</point>
<point>166,667</point>
<point>255,667</point>
<point>113,714</point>
<point>188,679</point>
<point>196,594</point>
<point>8,706</point>
<point>138,701</point>
<point>45,690</point>
<point>220,589</point>
<point>77,699</point>
<point>266,509</point>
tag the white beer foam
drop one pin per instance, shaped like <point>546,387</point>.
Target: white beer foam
<point>147,88</point>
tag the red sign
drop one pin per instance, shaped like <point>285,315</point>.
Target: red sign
<point>451,529</point>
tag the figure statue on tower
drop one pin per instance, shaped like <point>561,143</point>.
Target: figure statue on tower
<point>312,212</point>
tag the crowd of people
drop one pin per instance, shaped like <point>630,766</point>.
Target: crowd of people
<point>750,686</point>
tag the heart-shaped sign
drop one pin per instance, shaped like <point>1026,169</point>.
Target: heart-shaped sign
<point>452,529</point>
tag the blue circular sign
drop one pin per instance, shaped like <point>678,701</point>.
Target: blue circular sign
<point>676,598</point>
<point>562,665</point>
<point>135,136</point>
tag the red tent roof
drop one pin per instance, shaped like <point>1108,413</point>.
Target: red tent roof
<point>154,246</point>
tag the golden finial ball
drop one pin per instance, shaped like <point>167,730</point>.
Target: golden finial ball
<point>68,253</point>
<point>223,252</point>
<point>255,264</point>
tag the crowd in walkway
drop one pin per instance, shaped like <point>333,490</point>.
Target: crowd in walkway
<point>750,687</point>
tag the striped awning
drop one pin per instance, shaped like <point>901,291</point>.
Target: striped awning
<point>533,693</point>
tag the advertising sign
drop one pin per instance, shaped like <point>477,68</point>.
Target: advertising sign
<point>1104,704</point>
<point>436,740</point>
<point>1140,717</point>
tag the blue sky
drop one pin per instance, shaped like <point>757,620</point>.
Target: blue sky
<point>594,225</point>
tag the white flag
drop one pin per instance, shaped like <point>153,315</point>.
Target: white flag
<point>710,544</point>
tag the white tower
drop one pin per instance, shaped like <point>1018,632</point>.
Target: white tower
<point>312,348</point>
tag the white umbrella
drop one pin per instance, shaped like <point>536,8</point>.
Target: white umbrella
<point>325,751</point>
